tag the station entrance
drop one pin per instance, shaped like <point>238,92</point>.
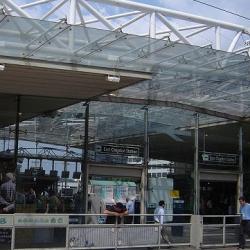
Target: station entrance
<point>218,195</point>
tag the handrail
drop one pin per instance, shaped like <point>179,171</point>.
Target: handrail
<point>220,233</point>
<point>123,236</point>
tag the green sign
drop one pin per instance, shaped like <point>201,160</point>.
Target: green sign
<point>6,220</point>
<point>41,220</point>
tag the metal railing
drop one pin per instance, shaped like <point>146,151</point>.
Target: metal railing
<point>220,230</point>
<point>89,231</point>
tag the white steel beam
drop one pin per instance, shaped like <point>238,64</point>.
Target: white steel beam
<point>55,8</point>
<point>173,13</point>
<point>242,49</point>
<point>235,40</point>
<point>14,7</point>
<point>180,29</point>
<point>21,12</point>
<point>97,14</point>
<point>152,26</point>
<point>117,16</point>
<point>72,12</point>
<point>196,32</point>
<point>131,21</point>
<point>32,4</point>
<point>78,9</point>
<point>72,20</point>
<point>170,26</point>
<point>217,38</point>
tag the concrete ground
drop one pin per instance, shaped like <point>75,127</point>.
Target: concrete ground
<point>191,248</point>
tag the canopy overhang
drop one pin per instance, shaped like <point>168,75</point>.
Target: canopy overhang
<point>60,60</point>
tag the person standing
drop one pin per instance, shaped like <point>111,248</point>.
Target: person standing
<point>245,222</point>
<point>8,194</point>
<point>130,205</point>
<point>115,213</point>
<point>53,203</point>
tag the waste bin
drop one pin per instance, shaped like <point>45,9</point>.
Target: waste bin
<point>178,208</point>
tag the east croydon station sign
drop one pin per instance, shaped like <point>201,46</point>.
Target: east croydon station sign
<point>219,158</point>
<point>114,149</point>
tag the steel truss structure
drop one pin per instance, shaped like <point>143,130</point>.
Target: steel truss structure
<point>142,19</point>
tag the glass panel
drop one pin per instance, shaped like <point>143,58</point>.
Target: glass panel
<point>50,156</point>
<point>7,159</point>
<point>26,238</point>
<point>5,238</point>
<point>115,128</point>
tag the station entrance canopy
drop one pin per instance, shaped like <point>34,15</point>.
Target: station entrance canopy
<point>48,59</point>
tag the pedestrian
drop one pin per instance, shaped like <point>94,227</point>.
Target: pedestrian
<point>130,206</point>
<point>244,222</point>
<point>115,213</point>
<point>53,203</point>
<point>42,203</point>
<point>8,194</point>
<point>159,215</point>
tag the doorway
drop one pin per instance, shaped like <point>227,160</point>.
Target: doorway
<point>218,197</point>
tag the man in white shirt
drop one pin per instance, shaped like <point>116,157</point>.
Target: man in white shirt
<point>159,213</point>
<point>130,205</point>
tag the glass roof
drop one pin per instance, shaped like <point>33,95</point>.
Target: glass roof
<point>187,74</point>
<point>109,122</point>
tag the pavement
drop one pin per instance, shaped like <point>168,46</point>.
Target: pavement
<point>191,248</point>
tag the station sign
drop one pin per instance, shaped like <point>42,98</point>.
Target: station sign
<point>115,149</point>
<point>218,158</point>
<point>40,220</point>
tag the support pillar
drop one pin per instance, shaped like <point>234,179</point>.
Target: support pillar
<point>144,179</point>
<point>84,165</point>
<point>18,114</point>
<point>196,167</point>
<point>240,176</point>
<point>196,233</point>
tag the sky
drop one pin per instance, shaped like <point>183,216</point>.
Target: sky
<point>237,6</point>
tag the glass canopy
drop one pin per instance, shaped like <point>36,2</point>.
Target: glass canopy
<point>197,76</point>
<point>109,122</point>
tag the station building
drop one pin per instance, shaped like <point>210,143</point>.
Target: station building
<point>94,111</point>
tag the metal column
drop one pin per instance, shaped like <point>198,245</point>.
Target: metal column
<point>240,176</point>
<point>144,179</point>
<point>17,130</point>
<point>84,165</point>
<point>196,167</point>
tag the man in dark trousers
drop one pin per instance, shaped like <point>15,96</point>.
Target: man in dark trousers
<point>245,222</point>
